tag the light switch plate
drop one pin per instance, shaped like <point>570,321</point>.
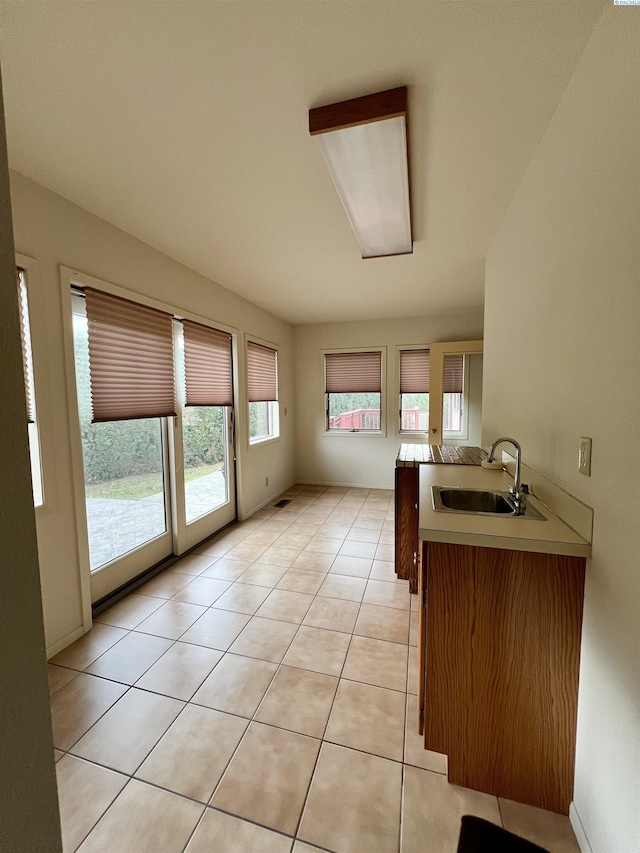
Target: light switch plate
<point>584,457</point>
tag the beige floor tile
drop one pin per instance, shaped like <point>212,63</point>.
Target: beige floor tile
<point>277,556</point>
<point>222,832</point>
<point>286,606</point>
<point>216,629</point>
<point>368,523</point>
<point>261,574</point>
<point>333,614</point>
<point>244,551</point>
<point>314,562</point>
<point>193,564</point>
<point>334,531</point>
<point>166,584</point>
<point>89,647</point>
<point>551,831</point>
<point>413,630</point>
<point>172,619</point>
<point>318,650</point>
<point>302,847</point>
<point>293,541</point>
<point>387,537</point>
<point>262,537</point>
<point>296,580</point>
<point>354,803</point>
<point>339,586</point>
<point>144,819</point>
<point>266,639</point>
<point>226,569</point>
<point>368,718</point>
<point>412,671</point>
<point>129,661</point>
<point>268,777</point>
<point>192,755</point>
<point>242,598</point>
<point>377,662</point>
<point>125,735</point>
<point>236,685</point>
<point>85,792</point>
<point>387,594</point>
<point>354,548</point>
<point>304,527</point>
<point>57,755</point>
<point>180,671</point>
<point>385,552</point>
<point>130,611</point>
<point>361,534</point>
<point>414,751</point>
<point>202,591</point>
<point>383,623</point>
<point>216,547</point>
<point>358,567</point>
<point>77,705</point>
<point>324,545</point>
<point>384,571</point>
<point>432,810</point>
<point>58,677</point>
<point>298,700</point>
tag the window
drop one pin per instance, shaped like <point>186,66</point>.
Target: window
<point>27,365</point>
<point>262,390</point>
<point>454,420</point>
<point>353,391</point>
<point>414,390</point>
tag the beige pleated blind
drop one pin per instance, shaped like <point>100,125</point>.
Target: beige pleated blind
<point>130,359</point>
<point>353,372</point>
<point>452,375</point>
<point>25,338</point>
<point>262,373</point>
<point>414,371</point>
<point>207,365</point>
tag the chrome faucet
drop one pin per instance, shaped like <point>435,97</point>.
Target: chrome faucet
<point>519,491</point>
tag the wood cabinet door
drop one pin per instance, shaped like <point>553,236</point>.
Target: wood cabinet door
<point>422,631</point>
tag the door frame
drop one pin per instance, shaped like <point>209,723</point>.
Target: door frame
<point>69,277</point>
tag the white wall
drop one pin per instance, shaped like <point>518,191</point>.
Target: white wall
<point>561,360</point>
<point>358,459</point>
<point>54,231</point>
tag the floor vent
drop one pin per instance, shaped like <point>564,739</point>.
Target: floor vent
<point>280,504</point>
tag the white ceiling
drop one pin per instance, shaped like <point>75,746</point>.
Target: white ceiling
<point>185,124</point>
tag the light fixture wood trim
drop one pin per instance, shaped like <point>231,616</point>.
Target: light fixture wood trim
<point>377,107</point>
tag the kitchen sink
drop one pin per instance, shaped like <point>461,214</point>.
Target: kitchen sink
<point>478,501</point>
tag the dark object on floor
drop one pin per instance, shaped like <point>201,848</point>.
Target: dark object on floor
<point>480,836</point>
<point>282,503</point>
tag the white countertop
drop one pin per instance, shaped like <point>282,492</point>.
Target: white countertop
<point>551,536</point>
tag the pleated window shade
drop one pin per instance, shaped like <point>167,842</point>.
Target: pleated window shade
<point>25,339</point>
<point>353,372</point>
<point>207,365</point>
<point>262,373</point>
<point>130,359</point>
<point>452,374</point>
<point>414,371</point>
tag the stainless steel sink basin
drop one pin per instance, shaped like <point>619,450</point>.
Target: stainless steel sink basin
<point>478,502</point>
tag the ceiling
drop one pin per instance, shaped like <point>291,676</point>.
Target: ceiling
<point>185,124</point>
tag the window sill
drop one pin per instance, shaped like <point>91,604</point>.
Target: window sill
<point>260,442</point>
<point>368,433</point>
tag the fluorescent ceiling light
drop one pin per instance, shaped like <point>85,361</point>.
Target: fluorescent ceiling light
<point>364,143</point>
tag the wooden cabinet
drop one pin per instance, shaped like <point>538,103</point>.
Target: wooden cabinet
<point>499,652</point>
<point>406,528</point>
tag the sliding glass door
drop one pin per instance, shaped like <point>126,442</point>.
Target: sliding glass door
<point>153,486</point>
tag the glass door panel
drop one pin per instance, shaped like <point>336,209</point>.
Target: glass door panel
<point>124,480</point>
<point>204,438</point>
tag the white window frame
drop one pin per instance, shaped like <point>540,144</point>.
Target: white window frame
<point>273,406</point>
<point>365,433</point>
<point>463,433</point>
<point>417,433</point>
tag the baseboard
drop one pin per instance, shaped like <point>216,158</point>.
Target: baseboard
<point>578,828</point>
<point>343,485</point>
<point>253,510</point>
<point>65,641</point>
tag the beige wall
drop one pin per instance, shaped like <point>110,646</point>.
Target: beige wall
<point>54,231</point>
<point>561,361</point>
<point>359,459</point>
<point>29,818</point>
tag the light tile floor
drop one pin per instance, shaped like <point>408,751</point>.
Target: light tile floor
<point>260,696</point>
